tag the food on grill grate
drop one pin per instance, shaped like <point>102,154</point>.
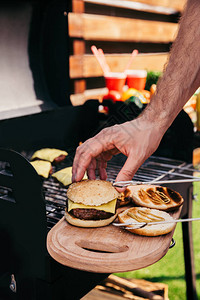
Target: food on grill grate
<point>147,215</point>
<point>153,196</point>
<point>42,167</point>
<point>91,203</point>
<point>65,176</point>
<point>50,154</point>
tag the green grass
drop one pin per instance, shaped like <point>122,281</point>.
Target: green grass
<point>170,269</point>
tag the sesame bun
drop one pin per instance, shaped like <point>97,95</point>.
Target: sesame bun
<point>92,192</point>
<point>149,230</point>
<point>88,223</point>
<point>153,196</point>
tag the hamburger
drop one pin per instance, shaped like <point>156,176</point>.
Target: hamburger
<point>91,203</point>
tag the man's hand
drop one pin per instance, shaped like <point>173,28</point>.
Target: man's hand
<point>139,138</point>
<point>136,139</point>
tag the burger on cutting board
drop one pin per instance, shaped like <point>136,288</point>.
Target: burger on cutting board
<point>91,203</point>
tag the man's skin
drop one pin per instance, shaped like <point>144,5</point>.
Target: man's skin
<point>139,138</point>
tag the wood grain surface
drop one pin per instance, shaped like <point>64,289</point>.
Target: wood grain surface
<point>107,249</point>
<point>87,66</point>
<point>108,28</point>
<point>175,4</point>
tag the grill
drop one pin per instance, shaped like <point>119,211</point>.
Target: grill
<point>155,168</point>
<point>37,114</point>
<point>54,196</point>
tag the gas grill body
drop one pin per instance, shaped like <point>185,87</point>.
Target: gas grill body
<point>27,271</point>
<point>35,112</point>
<point>30,206</point>
<point>34,48</point>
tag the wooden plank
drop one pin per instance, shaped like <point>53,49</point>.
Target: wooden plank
<point>87,65</point>
<point>79,99</point>
<point>96,294</point>
<point>78,47</point>
<point>126,4</point>
<point>127,285</point>
<point>176,4</point>
<point>75,24</point>
<point>140,289</point>
<point>78,6</point>
<point>79,86</point>
<point>76,66</point>
<point>106,28</point>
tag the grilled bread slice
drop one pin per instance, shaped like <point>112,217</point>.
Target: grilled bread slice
<point>152,196</point>
<point>142,214</point>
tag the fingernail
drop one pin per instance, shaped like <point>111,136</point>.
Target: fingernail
<point>73,176</point>
<point>120,190</point>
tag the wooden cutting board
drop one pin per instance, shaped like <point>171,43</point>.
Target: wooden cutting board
<point>106,249</point>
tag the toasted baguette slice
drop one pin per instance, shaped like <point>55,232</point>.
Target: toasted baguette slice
<point>153,196</point>
<point>142,214</point>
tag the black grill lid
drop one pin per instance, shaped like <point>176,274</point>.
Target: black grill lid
<point>33,57</point>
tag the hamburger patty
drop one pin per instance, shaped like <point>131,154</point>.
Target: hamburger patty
<point>59,159</point>
<point>90,214</point>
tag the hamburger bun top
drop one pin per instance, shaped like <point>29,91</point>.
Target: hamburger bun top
<point>154,196</point>
<point>92,192</point>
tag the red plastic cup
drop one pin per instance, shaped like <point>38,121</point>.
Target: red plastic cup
<point>136,79</point>
<point>115,81</point>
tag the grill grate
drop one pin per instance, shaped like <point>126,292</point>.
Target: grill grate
<point>155,168</point>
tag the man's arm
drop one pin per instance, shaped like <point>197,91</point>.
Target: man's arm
<point>139,138</point>
<point>181,77</point>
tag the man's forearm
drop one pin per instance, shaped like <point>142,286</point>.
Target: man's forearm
<point>181,77</point>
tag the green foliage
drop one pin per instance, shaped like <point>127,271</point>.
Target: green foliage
<point>152,78</point>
